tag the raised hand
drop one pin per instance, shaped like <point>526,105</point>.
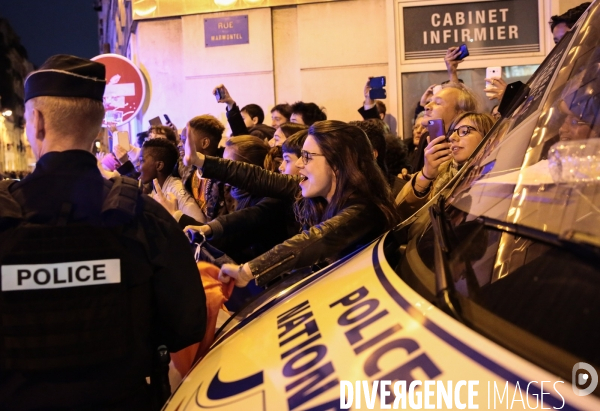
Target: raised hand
<point>452,62</point>
<point>495,89</point>
<point>436,153</point>
<point>168,201</point>
<point>369,102</point>
<point>225,96</point>
<point>191,157</point>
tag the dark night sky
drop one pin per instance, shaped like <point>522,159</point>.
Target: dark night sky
<point>48,27</point>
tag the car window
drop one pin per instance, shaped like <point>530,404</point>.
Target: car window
<point>543,160</point>
<point>521,221</point>
<point>523,281</point>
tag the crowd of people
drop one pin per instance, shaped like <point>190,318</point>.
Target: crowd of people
<point>305,190</point>
<point>277,199</point>
<point>295,193</point>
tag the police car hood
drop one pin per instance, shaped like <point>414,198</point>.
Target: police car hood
<point>356,321</point>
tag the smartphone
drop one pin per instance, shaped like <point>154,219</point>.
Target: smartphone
<point>155,121</point>
<point>377,82</point>
<point>464,52</point>
<point>167,119</point>
<point>492,72</point>
<point>123,139</point>
<point>220,95</point>
<point>514,95</point>
<point>436,128</point>
<point>377,93</point>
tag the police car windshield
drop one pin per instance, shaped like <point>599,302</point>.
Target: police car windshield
<point>540,166</point>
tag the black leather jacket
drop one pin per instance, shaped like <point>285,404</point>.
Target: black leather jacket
<point>357,224</point>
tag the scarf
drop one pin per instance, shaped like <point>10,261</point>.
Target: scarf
<point>449,170</point>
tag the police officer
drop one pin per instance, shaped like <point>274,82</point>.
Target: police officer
<point>95,275</point>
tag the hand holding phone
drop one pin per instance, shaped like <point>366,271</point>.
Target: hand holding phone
<point>222,96</point>
<point>436,153</point>
<point>376,88</point>
<point>464,52</point>
<point>123,140</point>
<point>436,128</point>
<point>494,82</point>
<point>220,93</point>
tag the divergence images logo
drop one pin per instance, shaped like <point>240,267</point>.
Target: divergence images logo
<point>585,379</point>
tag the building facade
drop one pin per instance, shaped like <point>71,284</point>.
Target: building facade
<point>319,51</point>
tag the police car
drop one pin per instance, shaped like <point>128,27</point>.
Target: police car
<point>488,297</point>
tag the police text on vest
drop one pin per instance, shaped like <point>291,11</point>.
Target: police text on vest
<point>60,275</point>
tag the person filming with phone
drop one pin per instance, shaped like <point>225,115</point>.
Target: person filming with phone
<point>444,156</point>
<point>245,121</point>
<point>445,105</point>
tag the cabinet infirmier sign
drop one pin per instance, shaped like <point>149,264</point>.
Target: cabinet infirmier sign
<point>491,27</point>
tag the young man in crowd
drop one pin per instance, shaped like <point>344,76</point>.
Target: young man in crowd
<point>158,158</point>
<point>306,113</point>
<point>280,114</point>
<point>210,195</point>
<point>291,149</point>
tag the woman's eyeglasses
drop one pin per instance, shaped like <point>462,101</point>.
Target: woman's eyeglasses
<point>463,130</point>
<point>306,156</point>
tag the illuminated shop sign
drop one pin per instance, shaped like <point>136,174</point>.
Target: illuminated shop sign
<point>491,27</point>
<point>226,31</point>
<point>152,9</point>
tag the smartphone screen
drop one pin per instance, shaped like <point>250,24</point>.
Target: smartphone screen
<point>464,52</point>
<point>377,82</point>
<point>435,128</point>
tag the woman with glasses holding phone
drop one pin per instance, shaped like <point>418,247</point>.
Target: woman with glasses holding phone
<point>444,156</point>
<point>342,200</point>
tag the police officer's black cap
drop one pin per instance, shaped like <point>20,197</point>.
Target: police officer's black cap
<point>67,76</point>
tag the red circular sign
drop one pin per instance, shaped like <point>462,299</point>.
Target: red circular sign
<point>125,89</point>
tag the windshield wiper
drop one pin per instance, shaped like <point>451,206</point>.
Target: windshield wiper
<point>444,283</point>
<point>572,240</point>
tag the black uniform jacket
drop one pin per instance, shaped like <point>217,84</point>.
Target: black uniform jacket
<point>167,307</point>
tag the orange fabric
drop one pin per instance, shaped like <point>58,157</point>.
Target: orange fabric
<point>217,294</point>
